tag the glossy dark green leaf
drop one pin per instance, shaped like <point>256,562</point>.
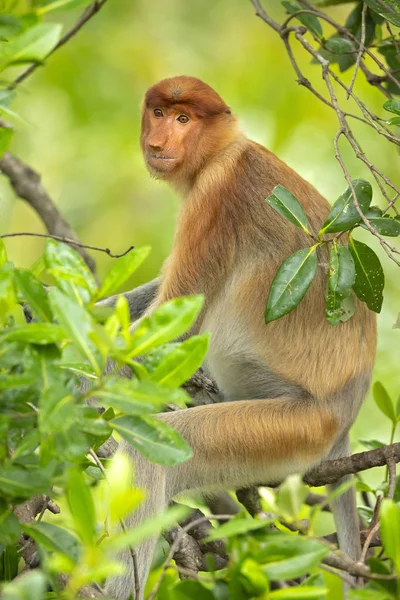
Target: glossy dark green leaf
<point>339,45</point>
<point>6,134</point>
<point>35,333</point>
<point>342,275</point>
<point>166,323</point>
<point>182,362</point>
<point>289,556</point>
<point>135,397</point>
<point>384,401</point>
<point>288,207</point>
<point>310,21</point>
<point>122,270</point>
<point>390,531</point>
<point>343,214</point>
<point>154,439</point>
<point>81,506</point>
<point>384,226</point>
<point>291,282</point>
<point>34,293</point>
<point>79,325</point>
<point>370,279</point>
<point>392,106</point>
<point>388,9</point>
<point>373,212</point>
<point>54,538</point>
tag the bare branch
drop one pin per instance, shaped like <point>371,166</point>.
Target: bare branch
<point>66,241</point>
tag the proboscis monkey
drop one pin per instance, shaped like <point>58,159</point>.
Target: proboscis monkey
<point>293,387</point>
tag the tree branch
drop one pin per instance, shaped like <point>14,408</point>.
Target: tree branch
<point>27,185</point>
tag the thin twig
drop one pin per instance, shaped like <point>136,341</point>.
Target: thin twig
<point>360,50</point>
<point>84,18</point>
<point>67,241</point>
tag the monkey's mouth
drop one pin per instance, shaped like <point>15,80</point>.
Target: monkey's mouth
<point>160,161</point>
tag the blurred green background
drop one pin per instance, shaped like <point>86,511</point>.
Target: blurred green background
<point>82,113</point>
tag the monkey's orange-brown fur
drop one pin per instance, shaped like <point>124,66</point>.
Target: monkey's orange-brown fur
<point>294,386</point>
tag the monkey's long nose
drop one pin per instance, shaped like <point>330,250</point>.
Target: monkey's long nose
<point>156,146</point>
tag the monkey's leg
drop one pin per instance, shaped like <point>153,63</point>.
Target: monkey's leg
<point>151,478</point>
<point>234,444</point>
<point>344,510</point>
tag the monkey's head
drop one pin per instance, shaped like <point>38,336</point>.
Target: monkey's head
<point>184,123</point>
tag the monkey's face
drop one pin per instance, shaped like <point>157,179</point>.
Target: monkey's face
<point>168,137</point>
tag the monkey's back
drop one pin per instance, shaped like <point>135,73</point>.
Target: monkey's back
<point>301,350</point>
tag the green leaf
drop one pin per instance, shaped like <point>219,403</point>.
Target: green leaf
<point>389,10</point>
<point>122,270</point>
<point>18,483</point>
<point>394,121</point>
<point>291,496</point>
<point>189,589</point>
<point>73,276</point>
<point>288,206</point>
<point>54,538</point>
<point>339,45</point>
<point>390,531</point>
<point>34,294</point>
<point>8,298</point>
<point>299,593</point>
<point>81,506</point>
<point>135,397</point>
<point>10,529</point>
<point>62,4</point>
<point>310,21</point>
<point>30,587</point>
<point>370,279</point>
<point>384,226</point>
<point>184,360</point>
<point>149,528</point>
<point>236,527</point>
<point>166,323</point>
<point>6,134</point>
<point>384,401</point>
<point>154,439</point>
<point>398,408</point>
<point>343,214</point>
<point>79,325</point>
<point>291,282</point>
<point>3,253</point>
<point>372,444</point>
<point>290,556</point>
<point>35,333</point>
<point>342,276</point>
<point>32,45</point>
<point>392,106</point>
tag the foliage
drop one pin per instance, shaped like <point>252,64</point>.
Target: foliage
<point>48,431</point>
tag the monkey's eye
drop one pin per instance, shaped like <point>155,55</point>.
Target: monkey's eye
<point>157,112</point>
<point>183,119</point>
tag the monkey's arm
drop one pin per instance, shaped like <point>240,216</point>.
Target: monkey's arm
<point>139,299</point>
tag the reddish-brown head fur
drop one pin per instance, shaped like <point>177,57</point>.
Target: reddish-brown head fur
<point>184,123</point>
